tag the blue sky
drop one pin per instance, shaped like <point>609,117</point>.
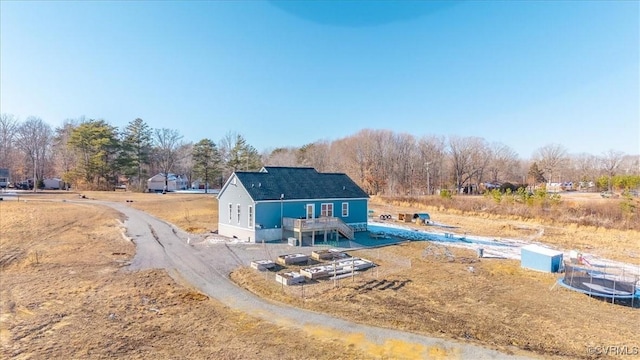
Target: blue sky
<point>524,73</point>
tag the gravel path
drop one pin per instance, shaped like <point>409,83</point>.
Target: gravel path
<point>161,245</point>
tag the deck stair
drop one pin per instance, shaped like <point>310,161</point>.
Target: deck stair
<point>327,223</point>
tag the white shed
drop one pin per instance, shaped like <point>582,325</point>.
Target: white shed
<point>53,184</point>
<point>174,182</point>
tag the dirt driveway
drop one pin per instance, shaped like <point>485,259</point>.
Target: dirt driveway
<point>161,245</point>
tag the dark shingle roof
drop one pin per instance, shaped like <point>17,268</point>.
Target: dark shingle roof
<point>298,183</point>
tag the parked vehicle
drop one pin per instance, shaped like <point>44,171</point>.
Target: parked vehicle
<point>25,185</point>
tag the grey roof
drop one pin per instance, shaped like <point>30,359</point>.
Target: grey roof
<point>4,172</point>
<point>298,183</point>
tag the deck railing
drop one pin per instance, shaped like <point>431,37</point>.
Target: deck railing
<point>318,224</point>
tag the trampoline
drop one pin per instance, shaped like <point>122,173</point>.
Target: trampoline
<point>611,283</point>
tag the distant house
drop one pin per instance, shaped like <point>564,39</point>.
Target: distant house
<point>280,202</point>
<point>5,178</point>
<point>200,184</point>
<point>174,182</point>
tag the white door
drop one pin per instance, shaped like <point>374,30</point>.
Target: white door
<point>311,211</point>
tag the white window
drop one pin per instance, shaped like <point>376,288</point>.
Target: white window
<point>230,212</point>
<point>326,209</point>
<point>250,212</point>
<point>345,209</point>
<point>238,206</point>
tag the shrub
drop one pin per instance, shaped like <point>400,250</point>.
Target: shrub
<point>445,194</point>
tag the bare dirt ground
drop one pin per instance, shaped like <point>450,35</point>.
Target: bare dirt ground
<point>488,302</point>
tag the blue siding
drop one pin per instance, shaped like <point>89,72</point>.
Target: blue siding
<point>269,213</point>
<point>540,262</point>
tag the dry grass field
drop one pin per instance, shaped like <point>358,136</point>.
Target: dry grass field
<point>491,302</point>
<point>615,244</point>
<point>64,293</point>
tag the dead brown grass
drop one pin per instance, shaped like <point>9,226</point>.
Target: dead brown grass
<point>616,244</point>
<point>489,302</point>
<point>64,294</point>
<point>497,305</point>
<point>584,209</point>
<point>195,213</point>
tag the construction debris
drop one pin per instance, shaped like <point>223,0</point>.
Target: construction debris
<point>337,268</point>
<point>289,278</point>
<point>262,265</point>
<point>328,254</point>
<point>292,259</point>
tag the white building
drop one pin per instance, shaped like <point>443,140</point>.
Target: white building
<point>173,182</point>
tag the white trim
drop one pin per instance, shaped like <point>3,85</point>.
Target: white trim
<point>250,216</point>
<point>239,209</point>
<point>313,211</point>
<point>230,212</point>
<point>342,209</point>
<point>327,207</point>
<point>542,250</point>
<point>308,200</point>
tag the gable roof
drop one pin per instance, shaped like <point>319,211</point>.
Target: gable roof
<point>298,183</point>
<point>171,177</point>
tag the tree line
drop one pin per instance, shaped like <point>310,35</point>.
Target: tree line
<point>92,154</point>
<point>390,163</point>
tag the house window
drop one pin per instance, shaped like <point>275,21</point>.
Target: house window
<point>345,209</point>
<point>230,212</point>
<point>238,206</point>
<point>250,212</point>
<point>326,209</point>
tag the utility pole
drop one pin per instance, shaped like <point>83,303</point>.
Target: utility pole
<point>282,216</point>
<point>428,179</point>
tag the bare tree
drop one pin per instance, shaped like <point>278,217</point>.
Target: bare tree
<point>609,162</point>
<point>34,137</point>
<point>551,158</point>
<point>584,168</point>
<point>317,155</point>
<point>432,156</point>
<point>403,163</point>
<point>166,151</point>
<point>8,132</point>
<point>469,158</point>
<point>631,164</point>
<point>480,159</point>
<point>503,163</point>
<point>282,156</point>
<point>370,159</point>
